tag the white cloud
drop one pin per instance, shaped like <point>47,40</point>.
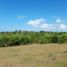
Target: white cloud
<point>43,25</point>
<point>62,26</point>
<point>20,17</point>
<point>58,20</point>
<point>36,22</point>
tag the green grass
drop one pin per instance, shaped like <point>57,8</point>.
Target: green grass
<point>48,55</point>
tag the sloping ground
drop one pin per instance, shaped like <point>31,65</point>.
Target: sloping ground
<point>49,55</point>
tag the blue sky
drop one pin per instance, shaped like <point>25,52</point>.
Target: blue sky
<point>35,15</point>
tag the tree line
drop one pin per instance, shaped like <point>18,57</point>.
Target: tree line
<point>29,37</point>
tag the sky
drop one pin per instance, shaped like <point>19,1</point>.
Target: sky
<point>33,15</point>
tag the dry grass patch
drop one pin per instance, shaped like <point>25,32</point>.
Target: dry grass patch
<point>48,55</point>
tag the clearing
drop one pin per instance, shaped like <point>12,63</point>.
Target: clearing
<point>35,55</point>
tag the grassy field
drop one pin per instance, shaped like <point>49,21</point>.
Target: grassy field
<point>48,55</point>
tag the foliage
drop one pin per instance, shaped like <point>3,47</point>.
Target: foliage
<point>28,37</point>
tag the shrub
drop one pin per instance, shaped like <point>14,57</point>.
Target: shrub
<point>26,37</point>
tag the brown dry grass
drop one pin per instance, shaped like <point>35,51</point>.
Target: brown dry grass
<point>48,55</point>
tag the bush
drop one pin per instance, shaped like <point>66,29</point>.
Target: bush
<point>24,38</point>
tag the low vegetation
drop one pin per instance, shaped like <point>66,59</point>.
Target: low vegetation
<point>36,55</point>
<point>29,37</point>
